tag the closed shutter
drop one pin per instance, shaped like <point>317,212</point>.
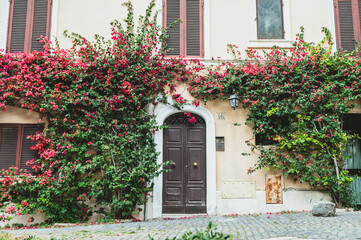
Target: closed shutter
<point>193,28</point>
<point>173,14</point>
<point>346,25</point>
<point>8,146</point>
<point>356,185</point>
<point>353,150</point>
<point>26,153</point>
<point>18,26</point>
<point>40,22</point>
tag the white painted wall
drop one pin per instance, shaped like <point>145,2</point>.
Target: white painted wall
<point>293,200</point>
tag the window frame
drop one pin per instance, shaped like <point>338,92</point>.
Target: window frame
<point>183,28</point>
<point>20,138</point>
<point>283,24</point>
<point>355,22</point>
<point>28,25</point>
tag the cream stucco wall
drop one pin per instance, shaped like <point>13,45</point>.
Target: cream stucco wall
<point>312,15</point>
<point>231,165</point>
<point>89,17</point>
<point>18,115</point>
<point>226,21</point>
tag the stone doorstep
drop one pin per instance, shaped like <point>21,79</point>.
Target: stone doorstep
<point>175,216</point>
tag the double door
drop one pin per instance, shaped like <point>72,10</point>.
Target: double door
<point>184,183</point>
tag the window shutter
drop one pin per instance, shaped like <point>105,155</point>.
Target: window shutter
<point>18,25</point>
<point>193,28</point>
<point>40,22</point>
<point>173,14</point>
<point>8,146</point>
<point>346,25</point>
<point>26,153</point>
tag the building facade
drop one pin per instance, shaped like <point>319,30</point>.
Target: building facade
<point>216,180</point>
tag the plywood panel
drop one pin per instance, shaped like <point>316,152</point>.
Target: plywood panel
<point>274,189</point>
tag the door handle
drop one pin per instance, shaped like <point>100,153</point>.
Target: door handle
<point>195,164</point>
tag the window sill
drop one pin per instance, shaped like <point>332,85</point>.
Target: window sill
<point>269,43</point>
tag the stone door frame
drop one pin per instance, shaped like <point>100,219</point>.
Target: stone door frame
<point>162,112</point>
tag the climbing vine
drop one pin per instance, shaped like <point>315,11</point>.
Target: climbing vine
<point>94,101</point>
<point>296,99</point>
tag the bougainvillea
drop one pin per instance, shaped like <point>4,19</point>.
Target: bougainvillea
<point>97,140</point>
<point>296,99</point>
<point>93,100</point>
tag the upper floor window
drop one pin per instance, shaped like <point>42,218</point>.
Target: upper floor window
<point>28,20</point>
<point>15,146</point>
<point>270,19</point>
<point>186,38</point>
<point>347,14</point>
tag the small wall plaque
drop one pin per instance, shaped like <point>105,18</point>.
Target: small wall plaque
<point>221,116</point>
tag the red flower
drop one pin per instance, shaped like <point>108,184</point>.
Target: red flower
<point>192,120</point>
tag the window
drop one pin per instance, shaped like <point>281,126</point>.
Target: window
<point>347,14</point>
<point>185,38</point>
<point>28,20</point>
<point>351,124</point>
<point>15,147</point>
<point>270,19</point>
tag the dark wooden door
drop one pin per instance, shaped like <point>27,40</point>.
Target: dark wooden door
<point>184,186</point>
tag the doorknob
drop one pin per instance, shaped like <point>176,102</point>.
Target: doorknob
<point>195,164</point>
<point>173,163</point>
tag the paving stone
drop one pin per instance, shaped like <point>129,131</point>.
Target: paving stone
<point>345,225</point>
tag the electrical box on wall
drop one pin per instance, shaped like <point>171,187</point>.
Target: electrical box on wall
<point>219,143</point>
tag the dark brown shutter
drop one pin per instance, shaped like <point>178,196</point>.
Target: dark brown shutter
<point>346,25</point>
<point>193,28</point>
<point>173,14</point>
<point>40,22</point>
<point>18,25</point>
<point>26,153</point>
<point>8,146</point>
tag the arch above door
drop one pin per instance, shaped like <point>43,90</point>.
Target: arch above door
<point>162,112</point>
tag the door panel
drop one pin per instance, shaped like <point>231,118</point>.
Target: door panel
<point>195,164</point>
<point>195,135</point>
<point>174,135</point>
<point>184,186</point>
<point>174,195</point>
<point>175,155</point>
<point>195,195</point>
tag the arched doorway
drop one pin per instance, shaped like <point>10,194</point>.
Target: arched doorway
<point>184,185</point>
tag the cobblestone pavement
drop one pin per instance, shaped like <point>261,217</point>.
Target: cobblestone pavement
<point>345,225</point>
